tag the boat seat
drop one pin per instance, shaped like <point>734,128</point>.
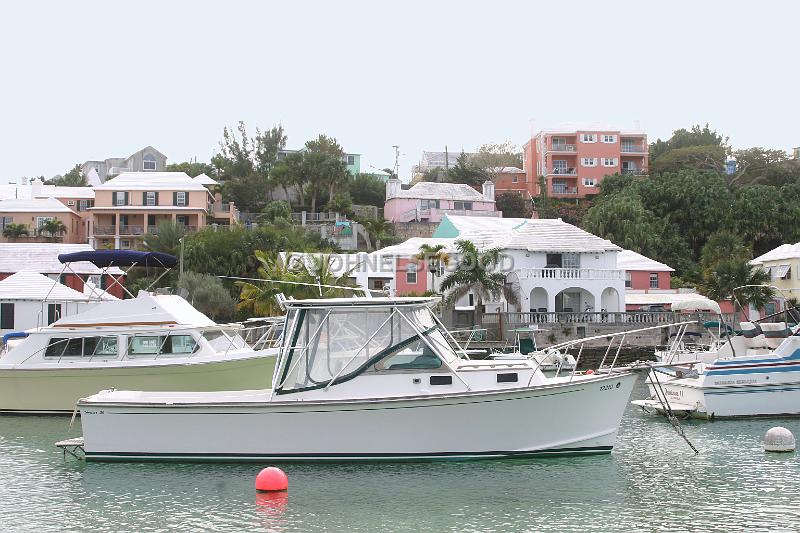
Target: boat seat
<point>753,336</point>
<point>420,362</point>
<point>526,346</point>
<point>775,333</point>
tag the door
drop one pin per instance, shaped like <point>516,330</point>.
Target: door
<point>53,313</point>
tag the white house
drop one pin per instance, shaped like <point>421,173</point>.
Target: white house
<point>29,300</point>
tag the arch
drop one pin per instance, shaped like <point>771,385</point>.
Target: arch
<point>609,300</point>
<point>539,300</point>
<point>575,300</point>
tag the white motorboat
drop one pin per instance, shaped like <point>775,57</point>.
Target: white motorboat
<point>551,359</point>
<point>151,342</point>
<point>366,379</point>
<point>754,373</point>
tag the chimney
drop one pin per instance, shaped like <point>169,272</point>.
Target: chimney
<point>36,188</point>
<point>392,188</point>
<point>488,189</point>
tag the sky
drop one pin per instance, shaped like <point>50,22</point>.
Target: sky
<point>92,80</point>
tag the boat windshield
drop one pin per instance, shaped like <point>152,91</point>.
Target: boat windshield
<point>223,340</point>
<point>330,345</point>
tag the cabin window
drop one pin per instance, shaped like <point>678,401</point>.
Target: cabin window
<point>221,340</point>
<point>161,345</point>
<point>81,347</point>
<point>7,316</point>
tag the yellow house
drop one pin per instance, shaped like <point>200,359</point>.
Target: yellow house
<point>783,265</point>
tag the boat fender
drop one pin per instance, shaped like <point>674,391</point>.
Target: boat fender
<point>272,479</point>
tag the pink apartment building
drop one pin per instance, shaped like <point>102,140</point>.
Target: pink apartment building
<point>133,204</point>
<point>574,161</point>
<point>430,201</point>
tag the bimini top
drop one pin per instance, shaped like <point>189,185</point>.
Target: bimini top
<point>360,302</point>
<point>106,258</point>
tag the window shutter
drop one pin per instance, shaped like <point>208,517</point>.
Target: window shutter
<point>7,316</point>
<point>175,198</point>
<point>156,197</point>
<point>127,198</point>
<point>616,161</point>
<point>144,198</point>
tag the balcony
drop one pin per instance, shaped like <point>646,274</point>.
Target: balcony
<point>630,148</point>
<point>563,189</point>
<point>634,171</point>
<point>572,273</point>
<point>470,212</point>
<point>563,171</point>
<point>563,147</point>
<point>186,229</point>
<point>131,230</point>
<point>105,230</point>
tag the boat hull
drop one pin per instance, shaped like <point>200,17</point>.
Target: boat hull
<point>569,418</point>
<point>56,390</point>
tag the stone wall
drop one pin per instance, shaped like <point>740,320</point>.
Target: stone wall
<point>407,230</point>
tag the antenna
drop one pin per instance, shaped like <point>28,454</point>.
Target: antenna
<point>396,161</point>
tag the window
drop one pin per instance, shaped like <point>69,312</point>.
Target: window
<point>429,204</point>
<point>7,316</point>
<point>589,138</point>
<point>560,166</point>
<point>589,182</point>
<point>5,221</point>
<point>120,198</point>
<point>159,344</point>
<point>40,221</point>
<point>149,162</point>
<point>183,220</point>
<point>83,205</point>
<point>609,139</point>
<point>628,284</point>
<point>179,198</point>
<point>514,179</point>
<point>150,198</point>
<point>589,161</point>
<point>70,202</point>
<point>53,313</point>
<point>654,280</point>
<point>349,160</point>
<point>610,161</point>
<point>570,261</point>
<point>79,346</point>
<point>466,206</point>
<point>411,273</point>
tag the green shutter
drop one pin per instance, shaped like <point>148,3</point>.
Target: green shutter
<point>156,197</point>
<point>174,198</point>
<point>127,198</point>
<point>144,198</point>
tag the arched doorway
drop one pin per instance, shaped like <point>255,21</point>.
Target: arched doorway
<point>609,300</point>
<point>538,300</point>
<point>575,300</point>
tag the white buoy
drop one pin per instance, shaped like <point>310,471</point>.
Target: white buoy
<point>779,439</point>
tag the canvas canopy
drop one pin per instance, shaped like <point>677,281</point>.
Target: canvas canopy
<point>106,258</point>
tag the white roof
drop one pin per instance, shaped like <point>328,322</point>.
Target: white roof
<point>784,251</point>
<point>13,191</point>
<point>339,264</point>
<point>535,235</point>
<point>93,178</point>
<point>574,127</point>
<point>506,170</point>
<point>146,308</point>
<point>151,181</point>
<point>203,179</point>
<point>442,191</point>
<point>28,285</point>
<point>42,257</point>
<point>630,260</point>
<point>411,246</point>
<point>37,205</point>
<point>664,298</point>
<point>96,293</point>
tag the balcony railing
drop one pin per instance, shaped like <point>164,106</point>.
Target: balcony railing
<point>105,230</point>
<point>564,190</point>
<point>131,230</point>
<point>571,273</point>
<point>634,171</point>
<point>561,147</point>
<point>470,212</point>
<point>632,149</point>
<point>563,171</point>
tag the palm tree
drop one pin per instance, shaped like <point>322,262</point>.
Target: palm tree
<point>732,274</point>
<point>316,269</point>
<point>475,275</point>
<point>166,239</point>
<point>53,227</point>
<point>378,229</point>
<point>15,231</point>
<point>259,299</point>
<point>435,257</point>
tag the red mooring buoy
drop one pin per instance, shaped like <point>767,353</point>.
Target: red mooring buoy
<point>271,479</point>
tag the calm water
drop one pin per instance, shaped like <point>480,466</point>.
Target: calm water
<point>652,481</point>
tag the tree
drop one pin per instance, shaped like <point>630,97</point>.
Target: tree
<point>366,189</point>
<point>723,245</point>
<point>53,227</point>
<point>492,157</point>
<point>15,231</point>
<point>275,210</point>
<point>259,298</point>
<point>732,274</point>
<point>701,158</point>
<point>543,208</point>
<point>683,138</point>
<point>341,203</point>
<point>435,258</point>
<point>513,205</point>
<point>73,178</point>
<point>166,239</point>
<point>466,172</point>
<point>208,295</point>
<point>764,166</point>
<point>379,230</point>
<point>192,168</point>
<point>324,164</point>
<point>317,269</point>
<point>756,214</point>
<point>474,275</point>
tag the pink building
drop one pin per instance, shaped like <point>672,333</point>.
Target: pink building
<point>510,179</point>
<point>573,161</point>
<point>429,201</point>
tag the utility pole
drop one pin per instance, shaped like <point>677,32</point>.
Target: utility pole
<point>180,268</point>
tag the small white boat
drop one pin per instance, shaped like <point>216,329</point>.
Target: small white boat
<point>754,373</point>
<point>366,379</point>
<point>151,342</point>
